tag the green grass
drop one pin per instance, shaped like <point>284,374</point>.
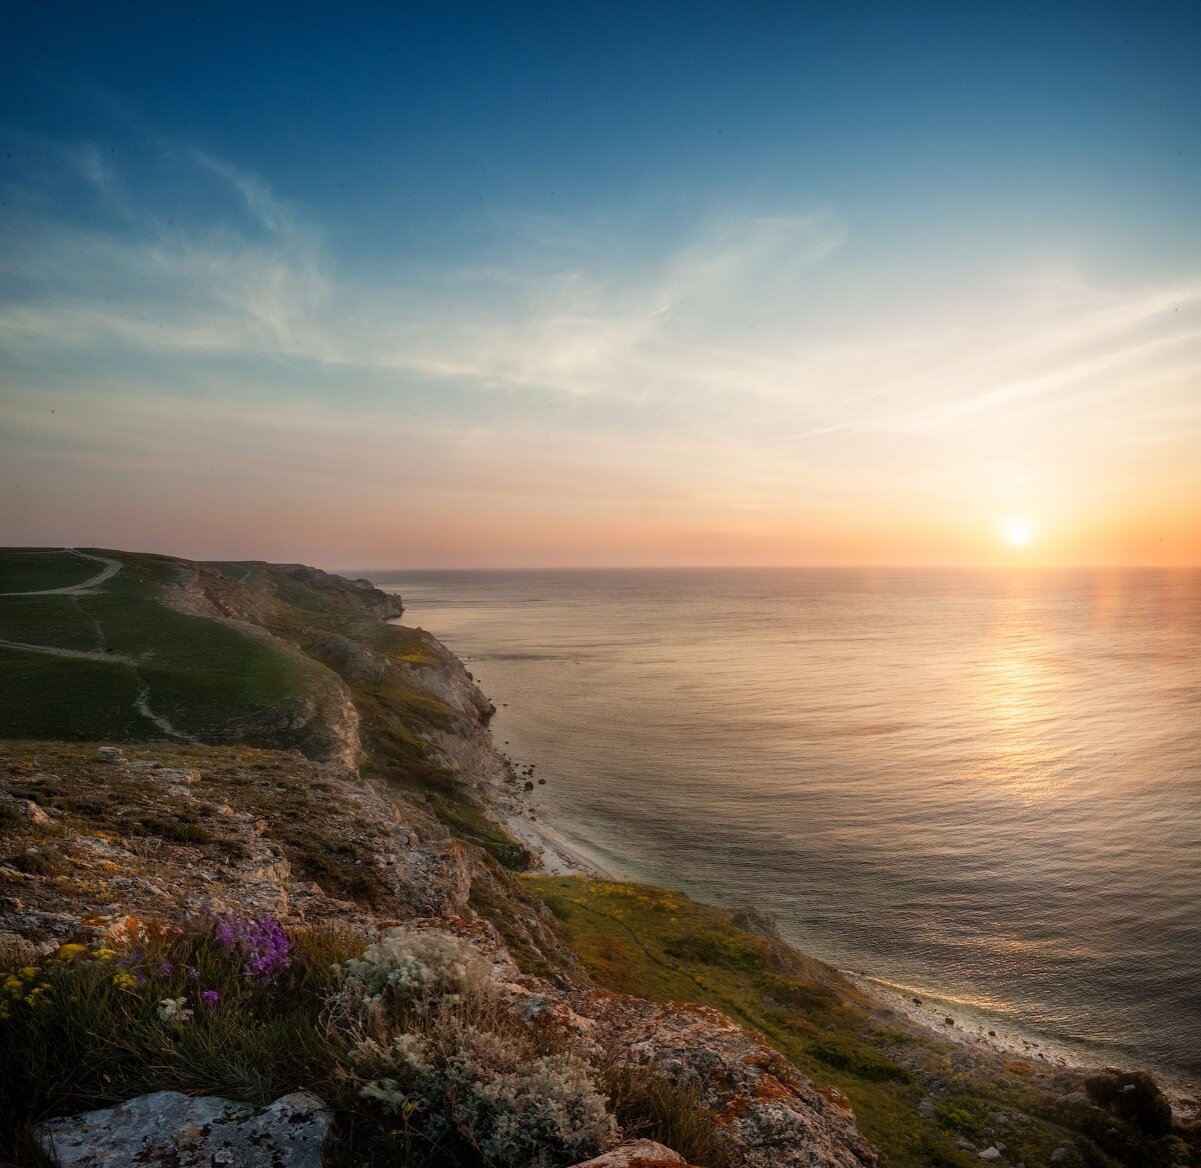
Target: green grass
<point>48,620</point>
<point>208,679</point>
<point>654,943</point>
<point>45,697</point>
<point>652,1107</point>
<point>35,569</point>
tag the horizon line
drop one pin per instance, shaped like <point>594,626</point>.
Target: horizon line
<point>1042,567</point>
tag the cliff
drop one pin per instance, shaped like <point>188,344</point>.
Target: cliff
<point>199,759</point>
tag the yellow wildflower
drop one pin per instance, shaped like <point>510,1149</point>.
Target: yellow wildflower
<point>30,972</point>
<point>71,950</point>
<point>105,954</point>
<point>125,981</point>
<point>13,985</point>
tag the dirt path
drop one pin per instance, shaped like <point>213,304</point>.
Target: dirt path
<point>77,654</point>
<point>141,702</point>
<point>88,588</point>
<point>110,569</point>
<point>142,705</point>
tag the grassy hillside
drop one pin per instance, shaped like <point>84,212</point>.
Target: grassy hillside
<point>116,662</point>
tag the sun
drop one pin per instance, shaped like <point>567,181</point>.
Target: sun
<point>1018,533</point>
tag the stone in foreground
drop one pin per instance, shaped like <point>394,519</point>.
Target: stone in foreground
<point>170,1130</point>
<point>637,1154</point>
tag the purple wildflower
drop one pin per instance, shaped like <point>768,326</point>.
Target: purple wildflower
<point>166,968</point>
<point>261,941</point>
<point>191,972</point>
<point>210,998</point>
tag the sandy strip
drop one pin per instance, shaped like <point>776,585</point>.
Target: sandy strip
<point>556,855</point>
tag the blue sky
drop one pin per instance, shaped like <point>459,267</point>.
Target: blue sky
<point>550,284</point>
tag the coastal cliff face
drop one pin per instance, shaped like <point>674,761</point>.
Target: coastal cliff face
<point>196,758</point>
<point>306,763</point>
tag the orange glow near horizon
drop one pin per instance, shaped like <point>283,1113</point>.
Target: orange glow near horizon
<point>614,419</point>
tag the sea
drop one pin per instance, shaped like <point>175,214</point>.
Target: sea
<point>978,786</point>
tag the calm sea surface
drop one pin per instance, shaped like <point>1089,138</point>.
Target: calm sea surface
<point>985,786</point>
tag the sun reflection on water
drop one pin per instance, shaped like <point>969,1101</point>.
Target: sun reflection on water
<point>1019,696</point>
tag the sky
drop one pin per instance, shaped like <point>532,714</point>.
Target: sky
<point>388,285</point>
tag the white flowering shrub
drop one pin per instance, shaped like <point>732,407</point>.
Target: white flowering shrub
<point>489,1088</point>
<point>409,968</point>
<point>446,1056</point>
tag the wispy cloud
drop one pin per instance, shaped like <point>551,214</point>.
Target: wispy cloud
<point>275,214</point>
<point>702,375</point>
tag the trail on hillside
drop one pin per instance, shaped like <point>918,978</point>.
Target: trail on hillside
<point>77,654</point>
<point>104,656</point>
<point>110,569</point>
<point>141,702</point>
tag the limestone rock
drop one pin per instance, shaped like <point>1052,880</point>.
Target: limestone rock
<point>637,1154</point>
<point>170,1130</point>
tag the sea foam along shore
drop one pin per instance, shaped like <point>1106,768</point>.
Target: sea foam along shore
<point>556,854</point>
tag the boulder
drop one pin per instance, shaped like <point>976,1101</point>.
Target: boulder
<point>170,1130</point>
<point>637,1154</point>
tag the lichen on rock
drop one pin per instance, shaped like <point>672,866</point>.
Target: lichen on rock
<point>170,1130</point>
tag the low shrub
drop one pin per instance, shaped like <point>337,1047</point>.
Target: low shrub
<point>727,949</point>
<point>1135,1098</point>
<point>858,1060</point>
<point>437,1049</point>
<point>409,970</point>
<point>965,1118</point>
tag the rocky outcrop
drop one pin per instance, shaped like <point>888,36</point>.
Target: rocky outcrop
<point>170,1130</point>
<point>155,830</point>
<point>385,605</point>
<point>776,1117</point>
<point>773,1115</point>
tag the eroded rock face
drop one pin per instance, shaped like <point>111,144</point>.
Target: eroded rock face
<point>774,1115</point>
<point>170,1130</point>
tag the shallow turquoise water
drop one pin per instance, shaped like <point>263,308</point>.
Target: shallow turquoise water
<point>985,785</point>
